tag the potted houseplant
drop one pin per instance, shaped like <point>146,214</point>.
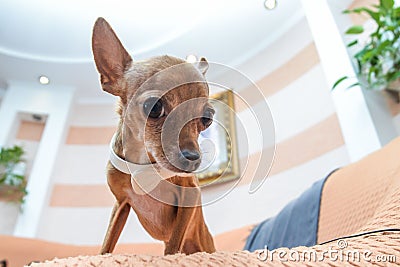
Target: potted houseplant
<point>12,179</point>
<point>378,60</point>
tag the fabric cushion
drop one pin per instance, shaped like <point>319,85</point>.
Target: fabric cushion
<point>295,225</point>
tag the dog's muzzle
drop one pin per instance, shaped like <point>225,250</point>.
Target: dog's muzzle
<point>189,160</point>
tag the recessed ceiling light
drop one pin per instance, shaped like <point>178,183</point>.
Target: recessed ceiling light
<point>44,80</point>
<point>191,59</point>
<point>270,4</point>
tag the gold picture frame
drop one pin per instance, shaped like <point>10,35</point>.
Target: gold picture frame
<point>222,132</point>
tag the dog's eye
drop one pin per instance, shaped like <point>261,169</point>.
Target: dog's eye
<point>207,117</point>
<point>153,108</point>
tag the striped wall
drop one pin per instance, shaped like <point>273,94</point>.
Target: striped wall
<point>309,145</point>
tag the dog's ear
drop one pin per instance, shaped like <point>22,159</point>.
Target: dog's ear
<point>203,65</point>
<point>110,56</point>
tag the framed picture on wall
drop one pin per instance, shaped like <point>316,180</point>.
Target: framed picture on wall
<point>218,143</point>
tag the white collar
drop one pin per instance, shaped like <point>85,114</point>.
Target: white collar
<point>123,165</point>
<point>133,168</point>
<point>144,177</point>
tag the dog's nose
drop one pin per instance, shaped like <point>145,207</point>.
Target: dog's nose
<point>191,154</point>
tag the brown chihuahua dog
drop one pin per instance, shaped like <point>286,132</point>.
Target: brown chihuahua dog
<point>141,139</point>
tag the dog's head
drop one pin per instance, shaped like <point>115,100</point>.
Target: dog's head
<point>164,101</point>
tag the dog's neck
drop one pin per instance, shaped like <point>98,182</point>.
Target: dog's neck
<point>140,155</point>
<point>145,177</point>
<point>139,163</point>
<point>118,161</point>
<point>136,161</point>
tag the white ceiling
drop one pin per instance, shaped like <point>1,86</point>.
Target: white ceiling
<point>54,37</point>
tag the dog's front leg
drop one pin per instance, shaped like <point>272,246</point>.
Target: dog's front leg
<point>187,203</point>
<point>176,241</point>
<point>118,219</point>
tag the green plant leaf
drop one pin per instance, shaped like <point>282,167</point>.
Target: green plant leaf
<point>368,56</point>
<point>396,12</point>
<point>394,76</point>
<point>360,55</point>
<point>357,29</point>
<point>353,85</point>
<point>9,157</point>
<point>387,4</point>
<point>374,15</point>
<point>338,82</point>
<point>352,43</point>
